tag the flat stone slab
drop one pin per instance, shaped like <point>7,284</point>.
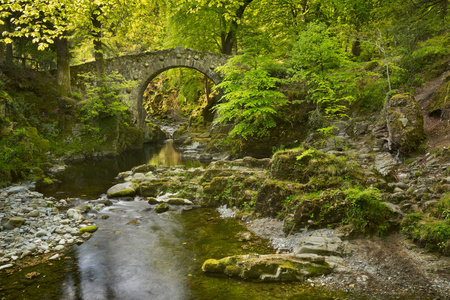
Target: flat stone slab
<point>330,246</point>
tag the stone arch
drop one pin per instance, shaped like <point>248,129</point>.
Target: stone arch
<point>146,66</point>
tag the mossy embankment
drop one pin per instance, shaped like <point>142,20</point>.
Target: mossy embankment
<point>39,128</point>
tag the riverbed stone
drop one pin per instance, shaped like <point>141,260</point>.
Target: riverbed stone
<point>75,214</point>
<point>11,223</point>
<point>89,229</point>
<point>122,190</point>
<point>33,214</point>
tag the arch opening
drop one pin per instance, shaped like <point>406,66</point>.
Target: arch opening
<point>177,93</point>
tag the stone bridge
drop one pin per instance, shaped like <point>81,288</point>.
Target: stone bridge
<point>144,67</point>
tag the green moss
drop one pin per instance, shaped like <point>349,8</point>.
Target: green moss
<point>213,266</point>
<point>427,231</point>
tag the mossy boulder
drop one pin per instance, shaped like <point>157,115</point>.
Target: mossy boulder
<point>153,188</point>
<point>267,268</point>
<point>163,207</point>
<point>318,169</point>
<point>122,190</point>
<point>271,196</point>
<point>405,124</point>
<point>144,168</point>
<point>327,210</point>
<point>178,201</point>
<point>217,185</point>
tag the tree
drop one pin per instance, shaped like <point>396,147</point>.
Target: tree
<point>318,59</point>
<point>207,23</point>
<point>252,99</point>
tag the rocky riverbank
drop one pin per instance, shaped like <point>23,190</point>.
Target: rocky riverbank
<point>33,225</point>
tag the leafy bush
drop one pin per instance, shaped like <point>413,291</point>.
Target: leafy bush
<point>366,212</point>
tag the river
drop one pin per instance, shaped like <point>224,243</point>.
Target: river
<point>139,254</point>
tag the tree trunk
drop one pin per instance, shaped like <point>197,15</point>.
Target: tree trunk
<point>2,52</point>
<point>2,46</point>
<point>9,54</point>
<point>356,48</point>
<point>63,66</point>
<point>229,39</point>
<point>98,46</point>
<point>9,47</point>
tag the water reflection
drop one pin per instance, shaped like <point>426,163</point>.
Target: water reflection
<point>89,179</point>
<point>166,156</point>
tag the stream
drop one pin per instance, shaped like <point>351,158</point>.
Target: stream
<point>139,254</point>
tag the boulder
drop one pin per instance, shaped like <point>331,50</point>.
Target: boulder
<point>153,133</point>
<point>268,268</point>
<point>153,188</point>
<point>11,223</point>
<point>122,190</point>
<point>404,124</point>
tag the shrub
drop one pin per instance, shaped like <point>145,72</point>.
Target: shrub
<point>366,212</point>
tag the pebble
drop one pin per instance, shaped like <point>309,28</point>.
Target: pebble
<point>44,228</point>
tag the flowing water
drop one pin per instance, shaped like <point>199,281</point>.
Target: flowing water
<point>138,254</point>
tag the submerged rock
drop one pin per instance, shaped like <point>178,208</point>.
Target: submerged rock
<point>163,207</point>
<point>272,267</point>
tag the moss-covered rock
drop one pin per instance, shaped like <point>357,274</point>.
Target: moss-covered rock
<point>153,188</point>
<point>327,210</point>
<point>144,168</point>
<point>163,207</point>
<point>439,105</point>
<point>122,190</point>
<point>319,169</point>
<point>267,268</point>
<point>404,123</point>
<point>271,196</point>
<point>89,229</point>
